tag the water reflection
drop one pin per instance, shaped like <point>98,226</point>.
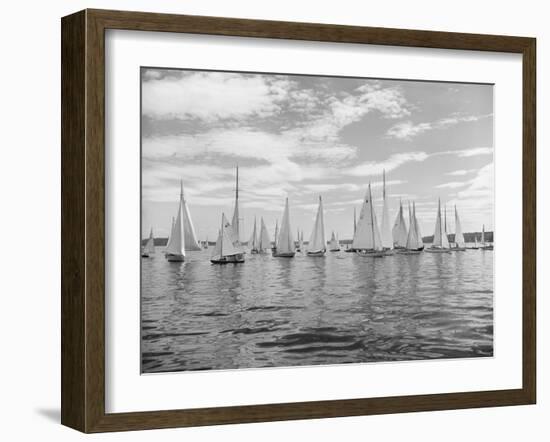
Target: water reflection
<point>342,308</point>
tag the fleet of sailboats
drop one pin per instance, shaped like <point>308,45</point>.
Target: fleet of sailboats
<point>370,238</point>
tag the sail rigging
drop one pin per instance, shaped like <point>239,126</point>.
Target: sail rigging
<point>385,230</point>
<point>176,242</point>
<point>253,241</point>
<point>191,243</point>
<point>334,244</point>
<point>235,221</point>
<point>459,236</point>
<point>264,240</point>
<point>285,241</point>
<point>226,244</point>
<point>399,231</point>
<point>367,236</point>
<point>440,236</point>
<point>317,242</point>
<point>149,247</point>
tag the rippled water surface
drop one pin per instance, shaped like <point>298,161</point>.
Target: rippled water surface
<point>342,308</point>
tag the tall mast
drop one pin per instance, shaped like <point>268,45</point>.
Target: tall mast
<point>384,184</point>
<point>182,198</point>
<point>371,218</point>
<point>354,221</point>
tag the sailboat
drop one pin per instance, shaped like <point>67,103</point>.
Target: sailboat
<point>476,245</point>
<point>399,231</point>
<point>206,243</point>
<point>301,241</point>
<point>334,244</point>
<point>460,244</point>
<point>264,242</point>
<point>253,241</point>
<point>285,247</point>
<point>274,248</point>
<point>191,243</point>
<point>367,240</point>
<point>348,248</point>
<point>317,245</point>
<point>298,244</point>
<point>485,245</point>
<point>440,242</point>
<point>227,249</point>
<point>175,248</point>
<point>149,248</point>
<point>414,244</point>
<point>385,230</point>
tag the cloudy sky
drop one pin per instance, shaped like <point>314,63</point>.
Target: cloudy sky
<point>304,136</point>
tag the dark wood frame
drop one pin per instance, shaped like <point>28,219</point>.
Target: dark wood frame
<point>83,220</point>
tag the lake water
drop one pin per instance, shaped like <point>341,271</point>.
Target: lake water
<point>343,308</point>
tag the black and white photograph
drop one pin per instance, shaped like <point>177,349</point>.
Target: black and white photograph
<point>302,220</point>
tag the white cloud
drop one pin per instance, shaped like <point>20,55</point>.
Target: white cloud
<point>459,172</point>
<point>451,185</point>
<point>408,129</point>
<point>393,162</point>
<point>212,95</point>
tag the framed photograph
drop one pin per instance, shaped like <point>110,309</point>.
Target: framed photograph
<point>267,221</point>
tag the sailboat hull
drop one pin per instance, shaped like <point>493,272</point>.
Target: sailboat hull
<point>436,250</point>
<point>233,259</point>
<point>334,250</point>
<point>170,257</point>
<point>410,252</point>
<point>458,249</point>
<point>486,248</point>
<point>319,253</point>
<point>284,255</point>
<point>371,253</point>
<point>145,255</point>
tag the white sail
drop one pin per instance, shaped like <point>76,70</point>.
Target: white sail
<point>367,235</point>
<point>191,242</point>
<point>399,231</point>
<point>235,220</point>
<point>226,244</point>
<point>265,241</point>
<point>385,229</point>
<point>150,244</point>
<point>459,237</point>
<point>285,241</point>
<point>276,233</point>
<point>412,237</point>
<point>253,241</point>
<point>218,247</point>
<point>176,244</point>
<point>354,221</point>
<point>483,235</point>
<point>420,242</point>
<point>317,241</point>
<point>334,243</point>
<point>440,237</point>
<point>301,240</point>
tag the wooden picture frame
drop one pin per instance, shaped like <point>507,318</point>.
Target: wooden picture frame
<point>83,220</point>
